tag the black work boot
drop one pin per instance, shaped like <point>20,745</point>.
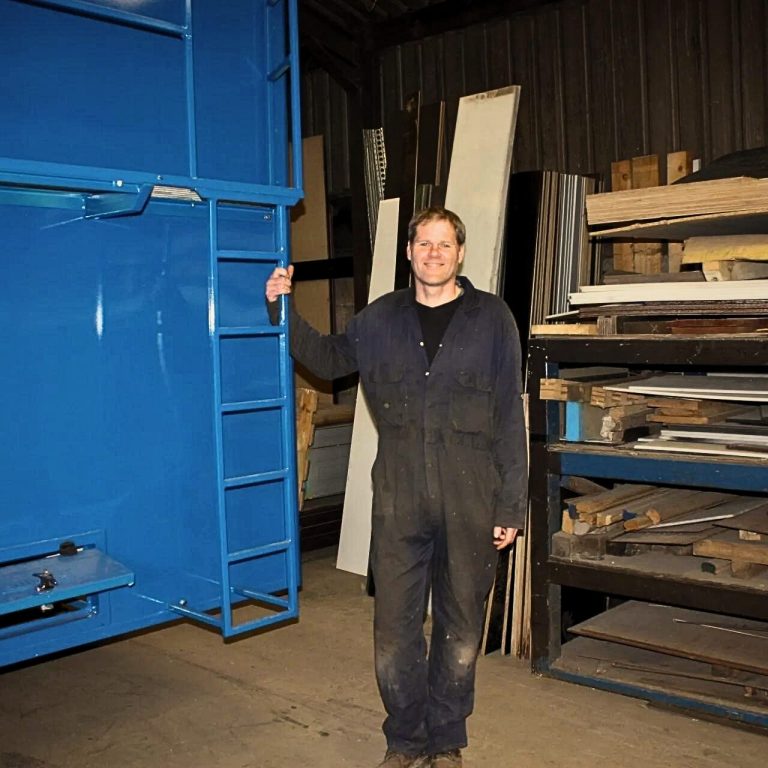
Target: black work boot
<point>399,760</point>
<point>450,759</point>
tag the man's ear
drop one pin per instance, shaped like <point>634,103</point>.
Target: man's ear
<point>461,254</point>
<point>408,251</point>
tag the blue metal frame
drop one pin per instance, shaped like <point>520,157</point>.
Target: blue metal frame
<point>213,536</point>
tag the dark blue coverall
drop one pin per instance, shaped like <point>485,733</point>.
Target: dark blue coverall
<point>451,465</point>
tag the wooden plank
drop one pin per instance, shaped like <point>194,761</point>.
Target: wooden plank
<point>707,637</point>
<point>735,270</point>
<point>732,290</point>
<point>478,178</point>
<point>755,520</point>
<point>564,329</point>
<point>700,250</point>
<point>665,674</point>
<point>581,485</point>
<point>596,502</point>
<point>729,546</point>
<point>666,537</point>
<point>355,537</point>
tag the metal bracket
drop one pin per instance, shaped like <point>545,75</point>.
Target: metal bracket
<point>103,205</point>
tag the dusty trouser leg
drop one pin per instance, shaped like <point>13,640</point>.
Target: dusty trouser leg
<point>401,550</point>
<point>463,569</point>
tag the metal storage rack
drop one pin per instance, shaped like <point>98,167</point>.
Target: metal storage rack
<point>149,454</point>
<point>550,460</point>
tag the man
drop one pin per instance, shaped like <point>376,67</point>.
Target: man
<point>440,365</point>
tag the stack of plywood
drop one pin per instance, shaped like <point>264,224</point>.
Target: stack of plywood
<point>635,212</point>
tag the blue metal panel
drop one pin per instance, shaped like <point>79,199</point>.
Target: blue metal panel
<point>75,90</point>
<point>186,93</point>
<point>658,469</point>
<point>151,400</point>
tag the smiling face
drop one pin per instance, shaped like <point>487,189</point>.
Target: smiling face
<point>435,255</point>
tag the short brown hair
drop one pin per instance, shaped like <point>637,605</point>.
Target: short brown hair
<point>436,213</point>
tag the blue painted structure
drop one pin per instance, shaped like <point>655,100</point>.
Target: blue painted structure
<point>148,459</point>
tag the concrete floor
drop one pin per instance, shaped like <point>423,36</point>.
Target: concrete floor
<point>304,695</point>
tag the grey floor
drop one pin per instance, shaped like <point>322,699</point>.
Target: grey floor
<point>304,695</point>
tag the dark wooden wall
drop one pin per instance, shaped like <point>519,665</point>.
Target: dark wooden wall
<point>602,80</point>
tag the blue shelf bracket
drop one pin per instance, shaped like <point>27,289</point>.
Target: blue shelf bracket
<point>104,205</point>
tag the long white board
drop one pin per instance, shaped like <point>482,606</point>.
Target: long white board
<point>478,179</point>
<point>354,542</point>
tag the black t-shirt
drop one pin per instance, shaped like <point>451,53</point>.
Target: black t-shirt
<point>434,322</point>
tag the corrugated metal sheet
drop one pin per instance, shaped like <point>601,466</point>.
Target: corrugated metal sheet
<point>602,80</point>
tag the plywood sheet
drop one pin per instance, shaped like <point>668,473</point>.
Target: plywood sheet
<point>712,638</point>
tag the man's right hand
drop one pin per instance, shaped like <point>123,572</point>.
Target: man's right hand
<point>279,283</point>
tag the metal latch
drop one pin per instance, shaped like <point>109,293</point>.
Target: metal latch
<point>47,581</point>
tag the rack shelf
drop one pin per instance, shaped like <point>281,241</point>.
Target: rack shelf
<point>674,580</point>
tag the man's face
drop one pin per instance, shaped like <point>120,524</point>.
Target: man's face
<point>434,254</point>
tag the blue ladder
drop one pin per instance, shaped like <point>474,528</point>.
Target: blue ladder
<point>254,430</point>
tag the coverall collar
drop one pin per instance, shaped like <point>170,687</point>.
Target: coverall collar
<point>469,304</point>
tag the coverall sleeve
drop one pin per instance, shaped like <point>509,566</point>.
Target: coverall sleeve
<point>510,450</point>
<point>328,356</point>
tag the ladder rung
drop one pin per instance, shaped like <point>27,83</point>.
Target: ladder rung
<point>266,621</point>
<point>256,552</point>
<point>248,330</point>
<point>253,405</point>
<point>262,257</point>
<point>255,479</point>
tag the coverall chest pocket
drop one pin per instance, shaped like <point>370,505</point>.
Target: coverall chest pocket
<point>390,398</point>
<point>470,403</point>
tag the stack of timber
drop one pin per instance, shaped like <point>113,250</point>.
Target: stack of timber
<point>741,202</point>
<point>698,249</point>
<point>594,413</point>
<point>716,658</point>
<point>631,519</point>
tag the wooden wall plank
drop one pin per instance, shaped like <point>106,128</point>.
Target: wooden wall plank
<point>602,87</point>
<point>753,66</point>
<point>499,56</point>
<point>549,95</point>
<point>475,61</point>
<point>658,93</point>
<point>631,112</point>
<point>577,120</point>
<point>432,85</point>
<point>526,154</point>
<point>720,62</point>
<point>687,58</point>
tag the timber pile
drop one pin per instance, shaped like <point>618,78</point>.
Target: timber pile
<point>631,518</point>
<point>593,412</point>
<point>714,231</point>
<point>675,202</point>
